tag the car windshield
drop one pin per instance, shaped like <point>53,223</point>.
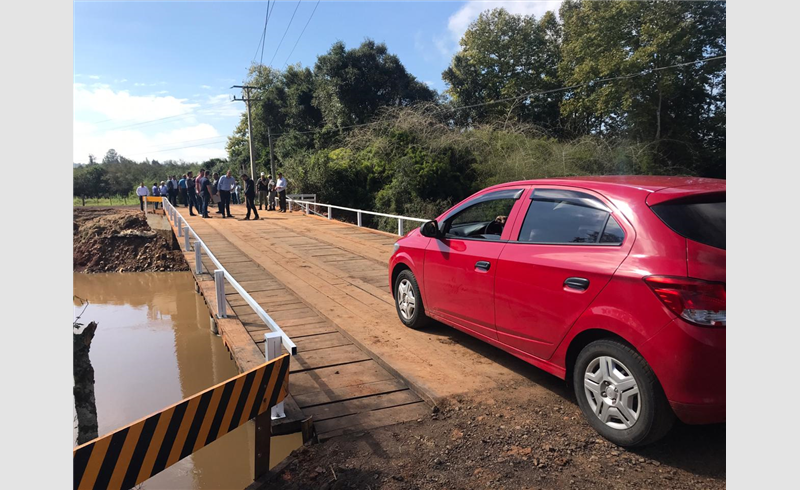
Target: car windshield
<point>699,219</point>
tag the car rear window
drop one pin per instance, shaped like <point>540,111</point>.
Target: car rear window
<point>700,219</point>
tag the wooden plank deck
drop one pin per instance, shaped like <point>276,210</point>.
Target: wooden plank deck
<point>332,379</point>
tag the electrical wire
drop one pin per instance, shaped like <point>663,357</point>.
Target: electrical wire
<point>284,32</point>
<point>301,34</point>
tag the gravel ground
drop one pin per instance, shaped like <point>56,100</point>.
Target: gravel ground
<point>501,441</point>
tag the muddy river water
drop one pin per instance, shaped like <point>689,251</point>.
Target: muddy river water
<point>152,348</point>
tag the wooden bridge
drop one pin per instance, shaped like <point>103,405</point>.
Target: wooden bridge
<point>325,283</point>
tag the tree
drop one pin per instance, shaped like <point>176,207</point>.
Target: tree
<point>111,156</point>
<point>681,110</point>
<point>504,56</point>
<point>352,85</point>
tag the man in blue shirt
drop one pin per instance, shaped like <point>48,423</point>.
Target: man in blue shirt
<point>156,193</point>
<point>225,186</point>
<point>182,191</point>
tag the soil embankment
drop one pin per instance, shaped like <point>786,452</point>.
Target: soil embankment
<point>120,240</point>
<point>506,441</point>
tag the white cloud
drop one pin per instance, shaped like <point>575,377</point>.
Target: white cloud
<point>221,106</point>
<point>121,80</point>
<point>207,87</point>
<point>458,23</point>
<point>126,123</point>
<point>122,105</point>
<point>94,77</point>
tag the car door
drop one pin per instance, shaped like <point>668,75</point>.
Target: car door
<point>460,266</point>
<point>568,244</point>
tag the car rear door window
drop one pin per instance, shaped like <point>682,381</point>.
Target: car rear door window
<point>701,219</point>
<point>558,216</point>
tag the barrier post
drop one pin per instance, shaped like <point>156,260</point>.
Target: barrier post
<point>198,258</point>
<point>186,245</point>
<point>219,283</point>
<point>272,350</point>
<point>330,211</point>
<point>359,218</point>
<point>400,227</point>
<point>180,228</point>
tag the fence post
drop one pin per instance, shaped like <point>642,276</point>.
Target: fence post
<point>186,245</point>
<point>400,226</point>
<point>272,349</point>
<point>180,228</point>
<point>359,218</point>
<point>198,258</point>
<point>330,211</point>
<point>219,283</point>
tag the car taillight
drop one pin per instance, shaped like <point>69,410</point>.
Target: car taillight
<point>696,301</point>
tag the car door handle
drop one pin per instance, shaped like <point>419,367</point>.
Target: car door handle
<point>483,265</point>
<point>579,283</point>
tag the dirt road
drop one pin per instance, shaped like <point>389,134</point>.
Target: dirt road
<point>506,440</point>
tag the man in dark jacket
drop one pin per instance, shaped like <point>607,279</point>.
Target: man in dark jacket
<point>249,196</point>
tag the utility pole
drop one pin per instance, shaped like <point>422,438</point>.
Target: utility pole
<point>246,99</point>
<point>271,161</point>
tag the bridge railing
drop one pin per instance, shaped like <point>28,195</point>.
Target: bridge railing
<point>186,231</point>
<point>307,206</point>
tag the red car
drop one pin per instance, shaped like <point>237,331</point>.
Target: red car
<point>616,284</point>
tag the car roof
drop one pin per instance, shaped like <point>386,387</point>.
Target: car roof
<point>629,186</point>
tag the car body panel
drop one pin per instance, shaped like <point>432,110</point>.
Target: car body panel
<point>534,310</point>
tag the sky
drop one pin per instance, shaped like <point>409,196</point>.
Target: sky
<point>152,79</point>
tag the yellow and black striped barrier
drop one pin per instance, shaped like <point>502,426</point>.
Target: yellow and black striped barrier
<point>133,454</point>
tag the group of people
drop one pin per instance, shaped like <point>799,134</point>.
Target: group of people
<point>197,193</point>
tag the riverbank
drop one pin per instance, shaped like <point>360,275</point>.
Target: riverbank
<point>121,240</point>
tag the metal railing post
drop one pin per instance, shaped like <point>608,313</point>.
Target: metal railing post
<point>359,218</point>
<point>186,245</point>
<point>198,257</point>
<point>219,284</point>
<point>330,212</point>
<point>400,227</point>
<point>272,349</point>
<point>180,227</point>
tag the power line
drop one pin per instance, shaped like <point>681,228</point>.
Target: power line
<point>301,34</point>
<point>263,34</point>
<point>532,94</point>
<point>177,148</point>
<point>143,123</point>
<point>264,45</point>
<point>284,32</point>
<point>593,82</point>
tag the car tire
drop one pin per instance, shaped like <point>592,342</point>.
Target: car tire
<point>408,301</point>
<point>620,395</point>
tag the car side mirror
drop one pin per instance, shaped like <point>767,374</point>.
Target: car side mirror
<point>430,229</point>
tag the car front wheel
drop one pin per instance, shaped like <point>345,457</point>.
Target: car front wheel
<point>408,301</point>
<point>620,395</point>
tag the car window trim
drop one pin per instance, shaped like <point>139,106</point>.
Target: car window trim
<point>604,207</point>
<point>514,194</point>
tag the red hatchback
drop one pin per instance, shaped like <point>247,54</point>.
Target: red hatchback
<point>616,284</point>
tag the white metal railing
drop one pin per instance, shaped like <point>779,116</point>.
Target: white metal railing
<point>185,230</point>
<point>306,205</point>
<point>302,197</point>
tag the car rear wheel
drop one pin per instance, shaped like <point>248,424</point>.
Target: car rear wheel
<point>408,301</point>
<point>620,395</point>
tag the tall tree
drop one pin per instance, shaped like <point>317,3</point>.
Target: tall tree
<point>681,110</point>
<point>505,56</point>
<point>353,84</point>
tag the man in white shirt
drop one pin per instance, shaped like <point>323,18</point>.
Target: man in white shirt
<point>141,191</point>
<point>280,187</point>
